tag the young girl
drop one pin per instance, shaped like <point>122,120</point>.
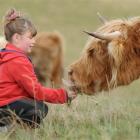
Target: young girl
<point>20,90</point>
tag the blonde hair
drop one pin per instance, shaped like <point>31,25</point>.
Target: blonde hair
<point>15,23</point>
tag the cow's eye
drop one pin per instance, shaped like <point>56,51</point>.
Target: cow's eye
<point>91,52</point>
<point>137,51</point>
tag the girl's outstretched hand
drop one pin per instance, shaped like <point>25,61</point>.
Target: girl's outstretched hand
<point>71,91</point>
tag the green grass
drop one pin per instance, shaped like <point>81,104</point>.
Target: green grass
<point>107,116</point>
<point>113,115</point>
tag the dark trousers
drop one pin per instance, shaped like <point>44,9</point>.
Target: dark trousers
<point>28,111</point>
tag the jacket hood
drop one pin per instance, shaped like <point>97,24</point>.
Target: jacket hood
<point>10,52</point>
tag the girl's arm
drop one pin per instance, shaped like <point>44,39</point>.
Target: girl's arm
<point>22,71</point>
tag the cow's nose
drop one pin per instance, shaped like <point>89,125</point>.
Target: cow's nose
<point>70,72</point>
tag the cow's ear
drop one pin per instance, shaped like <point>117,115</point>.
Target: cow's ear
<point>57,37</point>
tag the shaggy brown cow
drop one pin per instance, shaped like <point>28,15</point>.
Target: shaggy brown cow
<point>47,57</point>
<point>111,57</point>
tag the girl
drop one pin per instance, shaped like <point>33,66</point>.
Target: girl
<point>20,90</point>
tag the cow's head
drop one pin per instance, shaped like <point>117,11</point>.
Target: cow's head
<point>110,58</point>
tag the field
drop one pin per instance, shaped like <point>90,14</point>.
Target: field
<point>113,115</point>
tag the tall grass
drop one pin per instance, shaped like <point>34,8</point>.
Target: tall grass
<point>107,116</point>
<point>113,115</point>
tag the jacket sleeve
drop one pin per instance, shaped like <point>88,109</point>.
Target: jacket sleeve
<point>23,73</point>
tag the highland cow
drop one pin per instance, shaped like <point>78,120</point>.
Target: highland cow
<point>47,57</point>
<point>110,59</point>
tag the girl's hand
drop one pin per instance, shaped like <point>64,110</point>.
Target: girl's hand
<point>71,90</point>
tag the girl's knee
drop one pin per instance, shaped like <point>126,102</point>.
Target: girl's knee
<point>42,109</point>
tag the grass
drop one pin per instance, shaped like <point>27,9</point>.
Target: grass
<point>113,115</point>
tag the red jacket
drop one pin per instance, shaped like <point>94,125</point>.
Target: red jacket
<point>18,80</point>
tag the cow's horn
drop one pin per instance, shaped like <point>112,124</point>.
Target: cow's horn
<point>101,18</point>
<point>108,36</point>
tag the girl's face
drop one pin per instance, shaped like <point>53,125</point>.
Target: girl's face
<point>25,42</point>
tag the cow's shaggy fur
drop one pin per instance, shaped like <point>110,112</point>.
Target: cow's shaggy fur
<point>47,57</point>
<point>107,64</point>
